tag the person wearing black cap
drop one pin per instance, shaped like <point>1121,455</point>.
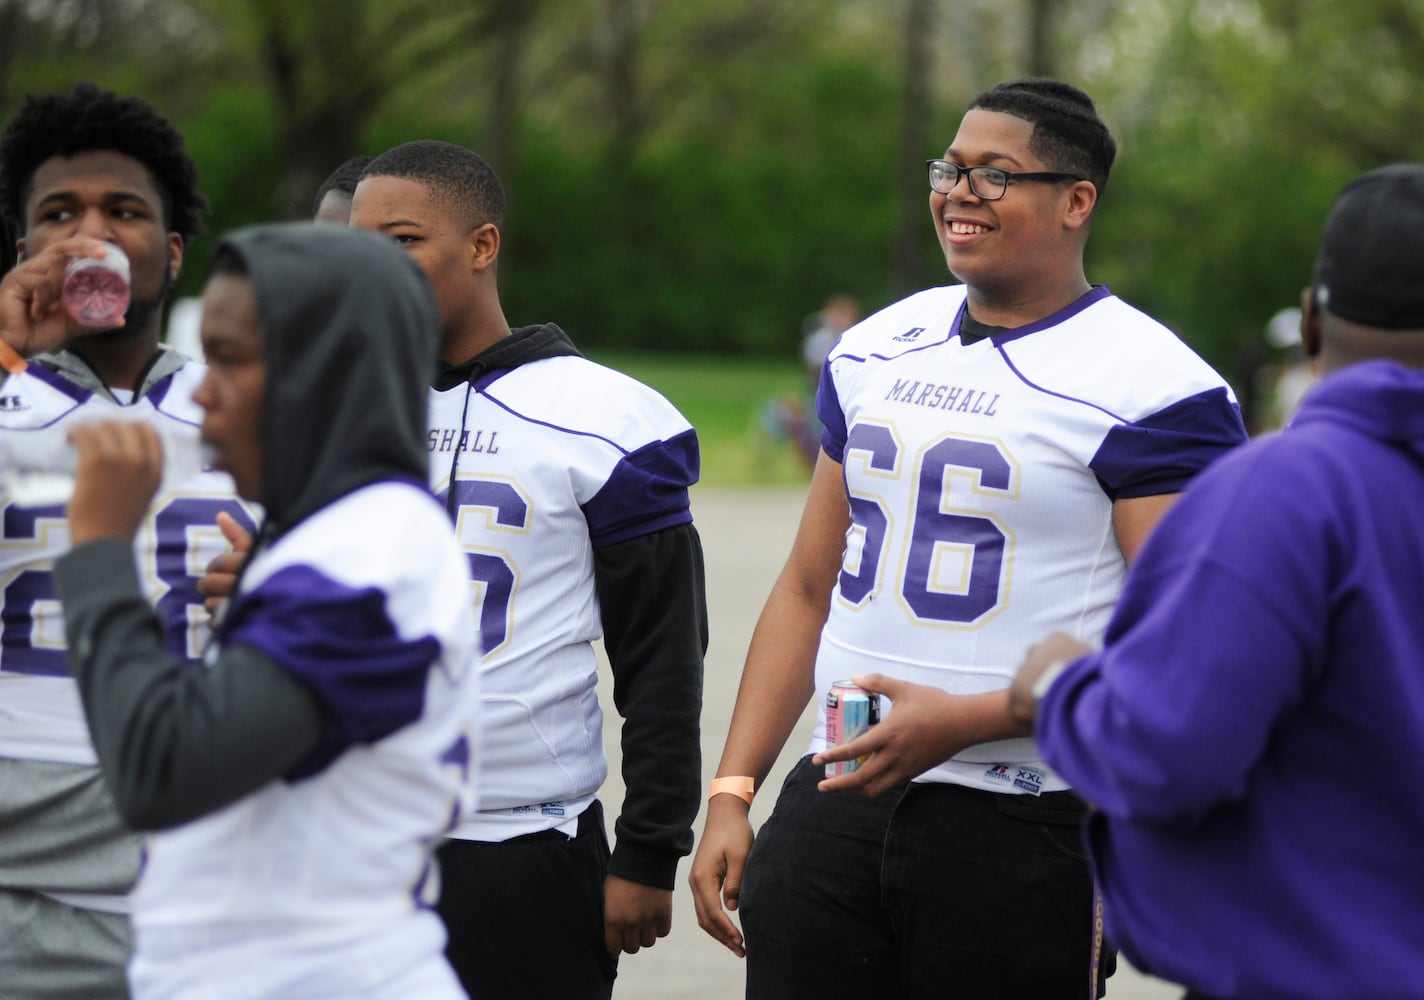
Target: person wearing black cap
<point>1250,729</point>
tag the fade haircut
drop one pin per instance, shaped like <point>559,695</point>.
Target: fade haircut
<point>344,179</point>
<point>89,119</point>
<point>1067,135</point>
<point>456,176</point>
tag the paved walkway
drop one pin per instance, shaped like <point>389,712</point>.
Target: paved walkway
<point>746,536</point>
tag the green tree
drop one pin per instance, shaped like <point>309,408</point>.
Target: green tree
<point>699,175</point>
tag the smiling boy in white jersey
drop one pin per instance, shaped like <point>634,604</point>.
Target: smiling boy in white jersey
<point>79,170</point>
<point>983,471</point>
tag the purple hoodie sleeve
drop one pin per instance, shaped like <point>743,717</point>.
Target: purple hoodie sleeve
<point>1205,651</point>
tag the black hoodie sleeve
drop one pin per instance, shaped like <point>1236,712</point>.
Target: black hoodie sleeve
<point>652,592</point>
<point>175,740</point>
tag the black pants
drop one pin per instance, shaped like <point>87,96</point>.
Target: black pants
<point>525,916</point>
<point>928,891</point>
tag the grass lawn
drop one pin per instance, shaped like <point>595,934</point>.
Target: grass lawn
<point>724,398</point>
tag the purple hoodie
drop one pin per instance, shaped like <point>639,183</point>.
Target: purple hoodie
<point>1251,730</point>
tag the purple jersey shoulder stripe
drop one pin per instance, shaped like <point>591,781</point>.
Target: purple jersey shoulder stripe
<point>834,431</point>
<point>646,492</point>
<point>56,380</point>
<point>1162,452</point>
<point>159,391</point>
<point>340,642</point>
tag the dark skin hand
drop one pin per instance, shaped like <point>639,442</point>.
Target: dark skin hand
<point>1054,648</point>
<point>221,574</point>
<point>32,315</point>
<point>120,465</point>
<point>721,884</point>
<point>927,725</point>
<point>634,915</point>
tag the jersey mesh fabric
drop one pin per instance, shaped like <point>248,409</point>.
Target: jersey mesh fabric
<point>546,470</point>
<point>982,479</point>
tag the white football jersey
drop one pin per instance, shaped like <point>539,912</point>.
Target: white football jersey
<point>545,469</point>
<point>40,714</point>
<point>981,479</point>
<point>319,884</point>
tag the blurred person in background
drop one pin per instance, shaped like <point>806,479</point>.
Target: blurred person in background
<point>333,199</point>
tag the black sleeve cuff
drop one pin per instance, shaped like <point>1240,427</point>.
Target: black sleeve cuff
<point>643,865</point>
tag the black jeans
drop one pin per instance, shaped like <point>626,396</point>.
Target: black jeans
<point>928,891</point>
<point>525,916</point>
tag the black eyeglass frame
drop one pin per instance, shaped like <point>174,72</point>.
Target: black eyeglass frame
<point>1048,176</point>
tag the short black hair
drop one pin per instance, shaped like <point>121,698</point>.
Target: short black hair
<point>1067,135</point>
<point>466,180</point>
<point>89,118</point>
<point>343,179</point>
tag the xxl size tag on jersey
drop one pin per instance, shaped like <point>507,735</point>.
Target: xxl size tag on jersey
<point>1029,779</point>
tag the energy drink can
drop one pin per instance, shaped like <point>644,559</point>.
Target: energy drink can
<point>850,711</point>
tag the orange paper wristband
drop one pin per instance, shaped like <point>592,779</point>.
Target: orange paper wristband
<point>10,360</point>
<point>742,787</point>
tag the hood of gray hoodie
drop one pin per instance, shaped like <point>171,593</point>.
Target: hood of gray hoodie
<point>349,332</point>
<point>163,363</point>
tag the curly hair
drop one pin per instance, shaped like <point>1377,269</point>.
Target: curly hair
<point>1067,132</point>
<point>467,183</point>
<point>90,118</point>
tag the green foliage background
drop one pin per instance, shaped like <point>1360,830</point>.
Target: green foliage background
<point>692,178</point>
<point>725,397</point>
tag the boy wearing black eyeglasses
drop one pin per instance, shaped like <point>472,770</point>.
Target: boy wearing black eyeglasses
<point>995,452</point>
